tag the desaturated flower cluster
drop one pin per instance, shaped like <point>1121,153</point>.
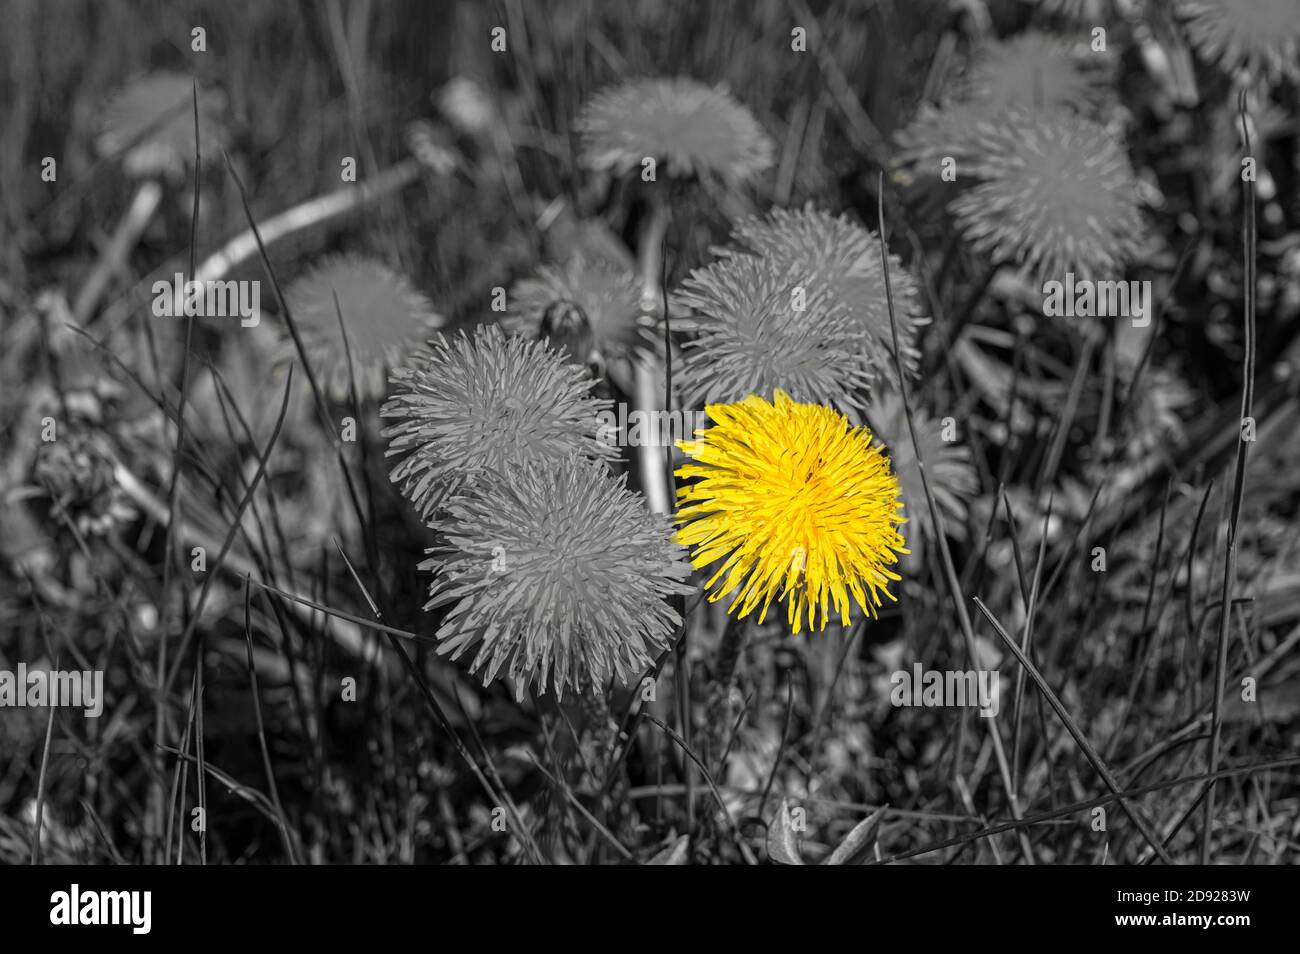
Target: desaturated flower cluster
<point>549,569</point>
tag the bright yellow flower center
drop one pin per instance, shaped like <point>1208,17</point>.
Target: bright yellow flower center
<point>796,503</point>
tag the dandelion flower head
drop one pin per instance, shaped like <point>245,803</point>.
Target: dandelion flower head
<point>797,504</point>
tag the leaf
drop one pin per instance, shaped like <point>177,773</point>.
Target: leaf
<point>857,842</point>
<point>674,854</point>
<point>782,844</point>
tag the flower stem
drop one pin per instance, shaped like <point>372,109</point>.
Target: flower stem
<point>654,480</point>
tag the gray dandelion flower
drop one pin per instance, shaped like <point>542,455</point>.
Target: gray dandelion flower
<point>1055,194</point>
<point>695,129</point>
<point>844,258</point>
<point>608,296</point>
<point>1032,70</point>
<point>152,118</point>
<point>468,406</point>
<point>556,575</point>
<point>1260,36</point>
<point>385,317</point>
<point>761,327</point>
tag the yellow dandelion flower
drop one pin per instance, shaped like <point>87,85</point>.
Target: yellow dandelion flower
<point>795,502</point>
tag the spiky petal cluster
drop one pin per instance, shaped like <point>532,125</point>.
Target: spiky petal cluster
<point>797,505</point>
<point>762,326</point>
<point>557,575</point>
<point>385,319</point>
<point>1261,36</point>
<point>607,295</point>
<point>488,404</point>
<point>836,254</point>
<point>695,130</point>
<point>1055,194</point>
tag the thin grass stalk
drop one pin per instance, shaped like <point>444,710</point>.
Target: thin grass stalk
<point>164,679</point>
<point>940,534</point>
<point>1249,239</point>
<point>1080,739</point>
